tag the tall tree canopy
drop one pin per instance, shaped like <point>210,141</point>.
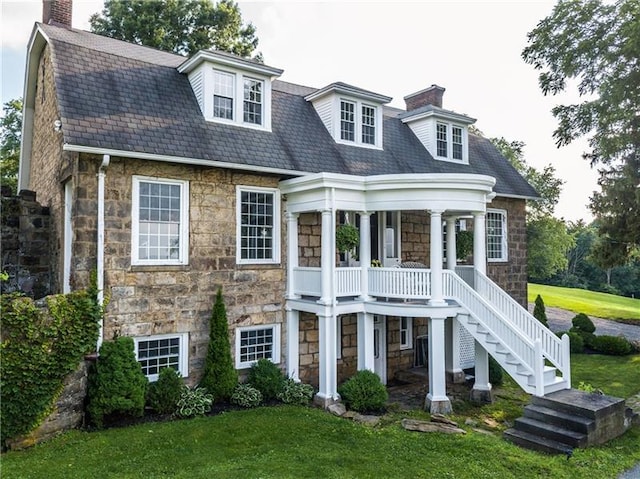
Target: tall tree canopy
<point>597,45</point>
<point>10,134</point>
<point>178,26</point>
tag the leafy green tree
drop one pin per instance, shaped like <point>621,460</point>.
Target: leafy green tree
<point>595,43</point>
<point>10,135</point>
<point>220,377</point>
<point>178,26</point>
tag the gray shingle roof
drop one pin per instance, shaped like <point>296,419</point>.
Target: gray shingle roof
<point>120,96</point>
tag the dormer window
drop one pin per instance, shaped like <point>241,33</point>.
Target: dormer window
<point>351,115</point>
<point>449,141</point>
<point>230,89</point>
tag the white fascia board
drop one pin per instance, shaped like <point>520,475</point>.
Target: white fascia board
<point>229,61</point>
<point>518,197</point>
<point>179,159</point>
<point>343,89</point>
<point>439,114</point>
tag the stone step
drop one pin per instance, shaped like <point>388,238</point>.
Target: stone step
<point>559,418</point>
<point>551,431</point>
<point>531,441</point>
<point>581,403</point>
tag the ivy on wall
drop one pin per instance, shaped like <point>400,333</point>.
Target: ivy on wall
<point>39,347</point>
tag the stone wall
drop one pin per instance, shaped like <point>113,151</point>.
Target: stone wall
<point>26,245</point>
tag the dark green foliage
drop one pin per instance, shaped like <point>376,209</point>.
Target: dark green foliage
<point>582,324</point>
<point>588,339</point>
<point>539,311</point>
<point>116,382</point>
<point>296,393</point>
<point>10,135</point>
<point>183,26</point>
<point>364,392</point>
<point>220,377</point>
<point>464,244</point>
<point>267,378</point>
<point>612,345</point>
<point>576,341</point>
<point>246,396</point>
<point>194,402</point>
<point>39,349</point>
<point>495,372</point>
<point>164,394</point>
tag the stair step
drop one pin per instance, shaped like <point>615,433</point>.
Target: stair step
<point>492,340</point>
<point>580,403</point>
<point>559,418</point>
<point>481,329</point>
<point>551,431</point>
<point>548,374</point>
<point>531,441</point>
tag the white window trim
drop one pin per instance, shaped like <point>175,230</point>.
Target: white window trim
<point>183,257</point>
<point>505,233</point>
<point>275,357</point>
<point>238,98</point>
<point>377,145</point>
<point>183,360</point>
<point>409,343</point>
<point>276,225</point>
<point>465,142</point>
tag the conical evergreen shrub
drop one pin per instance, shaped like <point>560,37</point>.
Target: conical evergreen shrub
<point>220,376</point>
<point>539,311</point>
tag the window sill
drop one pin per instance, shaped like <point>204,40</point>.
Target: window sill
<point>159,267</point>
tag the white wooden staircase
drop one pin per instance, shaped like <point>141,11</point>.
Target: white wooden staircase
<point>530,353</point>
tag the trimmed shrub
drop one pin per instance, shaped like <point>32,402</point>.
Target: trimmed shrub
<point>364,392</point>
<point>194,402</point>
<point>612,345</point>
<point>495,372</point>
<point>539,311</point>
<point>164,394</point>
<point>582,324</point>
<point>296,393</point>
<point>588,339</point>
<point>576,341</point>
<point>267,378</point>
<point>220,376</point>
<point>116,382</point>
<point>246,396</point>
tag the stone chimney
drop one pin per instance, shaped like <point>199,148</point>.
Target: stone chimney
<point>428,96</point>
<point>57,11</point>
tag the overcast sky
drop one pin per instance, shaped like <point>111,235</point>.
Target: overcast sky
<point>470,48</point>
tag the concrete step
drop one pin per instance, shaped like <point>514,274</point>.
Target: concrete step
<point>581,403</point>
<point>551,431</point>
<point>559,418</point>
<point>531,441</point>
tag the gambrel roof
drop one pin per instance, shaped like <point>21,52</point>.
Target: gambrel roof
<point>115,97</point>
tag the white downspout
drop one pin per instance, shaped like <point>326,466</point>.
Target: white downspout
<point>102,173</point>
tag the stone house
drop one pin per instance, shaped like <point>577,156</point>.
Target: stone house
<point>172,177</point>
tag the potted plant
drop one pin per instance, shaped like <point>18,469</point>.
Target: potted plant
<point>464,244</point>
<point>347,239</point>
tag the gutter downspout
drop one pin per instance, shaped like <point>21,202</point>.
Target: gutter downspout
<point>102,173</point>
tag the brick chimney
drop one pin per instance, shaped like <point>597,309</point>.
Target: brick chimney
<point>57,11</point>
<point>428,96</point>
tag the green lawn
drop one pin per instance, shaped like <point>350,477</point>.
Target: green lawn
<point>615,375</point>
<point>600,305</point>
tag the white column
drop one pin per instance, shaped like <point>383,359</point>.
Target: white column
<point>452,351</point>
<point>437,400</point>
<point>328,380</point>
<point>293,342</point>
<point>365,342</point>
<point>479,243</point>
<point>481,391</point>
<point>327,260</point>
<point>437,298</point>
<point>365,254</point>
<point>292,253</point>
<point>451,243</point>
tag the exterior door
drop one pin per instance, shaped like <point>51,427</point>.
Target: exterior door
<point>390,238</point>
<point>380,347</point>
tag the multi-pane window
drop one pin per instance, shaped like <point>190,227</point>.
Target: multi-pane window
<point>223,84</point>
<point>406,333</point>
<point>253,101</point>
<point>258,221</point>
<point>257,342</point>
<point>159,221</point>
<point>368,125</point>
<point>441,140</point>
<point>496,225</point>
<point>347,121</point>
<point>157,352</point>
<point>456,142</point>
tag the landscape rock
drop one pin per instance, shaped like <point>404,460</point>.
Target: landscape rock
<point>337,409</point>
<point>367,419</point>
<point>424,426</point>
<point>442,419</point>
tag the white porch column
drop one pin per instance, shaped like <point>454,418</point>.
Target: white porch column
<point>451,243</point>
<point>293,342</point>
<point>452,351</point>
<point>479,243</point>
<point>328,380</point>
<point>437,298</point>
<point>292,253</point>
<point>365,254</point>
<point>365,342</point>
<point>327,260</point>
<point>437,400</point>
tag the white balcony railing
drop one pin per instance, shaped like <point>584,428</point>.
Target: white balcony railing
<point>400,283</point>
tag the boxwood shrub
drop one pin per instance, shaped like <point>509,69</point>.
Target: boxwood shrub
<point>613,345</point>
<point>364,392</point>
<point>267,378</point>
